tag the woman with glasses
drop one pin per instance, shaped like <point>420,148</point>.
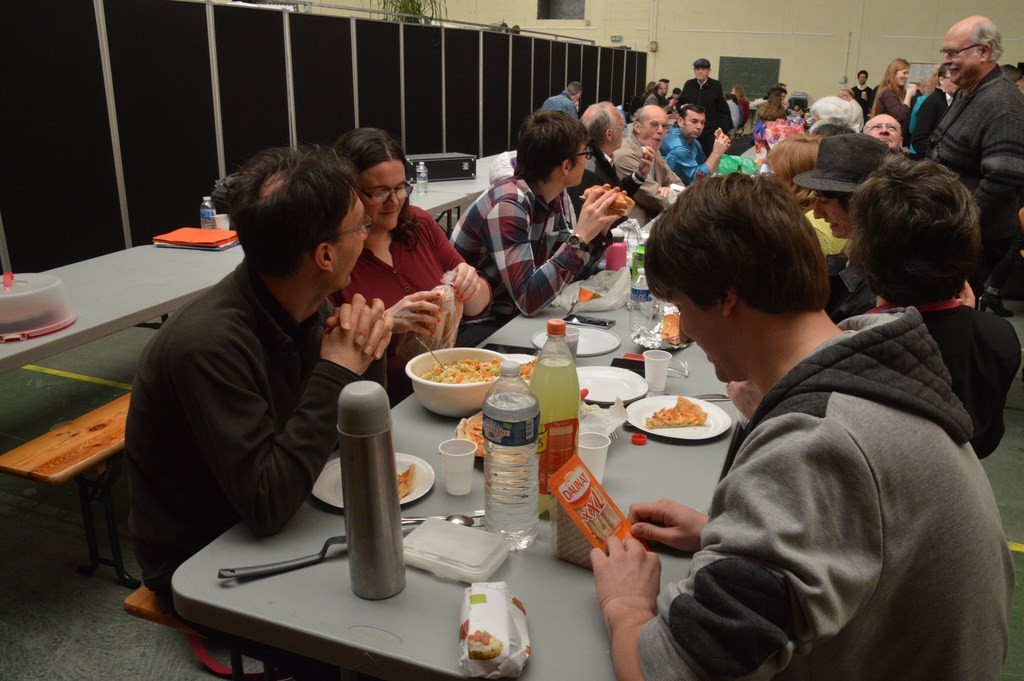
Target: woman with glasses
<point>893,96</point>
<point>406,252</point>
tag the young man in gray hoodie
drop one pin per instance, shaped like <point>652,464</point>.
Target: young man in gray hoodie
<point>853,534</point>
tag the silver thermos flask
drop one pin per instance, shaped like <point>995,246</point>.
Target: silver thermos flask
<point>373,519</point>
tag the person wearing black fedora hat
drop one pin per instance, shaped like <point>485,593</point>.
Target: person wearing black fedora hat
<point>844,162</point>
<point>706,92</point>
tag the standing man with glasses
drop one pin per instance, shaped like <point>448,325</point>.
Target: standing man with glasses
<point>513,233</point>
<point>234,405</point>
<point>981,138</point>
<point>406,254</point>
<point>650,125</point>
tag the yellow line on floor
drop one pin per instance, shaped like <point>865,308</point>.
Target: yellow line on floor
<point>77,377</point>
<point>1014,546</point>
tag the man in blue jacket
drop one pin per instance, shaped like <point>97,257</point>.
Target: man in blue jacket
<point>568,100</point>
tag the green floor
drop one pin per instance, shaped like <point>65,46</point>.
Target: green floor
<point>40,396</point>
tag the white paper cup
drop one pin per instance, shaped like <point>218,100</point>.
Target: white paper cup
<point>593,451</point>
<point>656,369</point>
<point>457,458</point>
<point>572,339</point>
<point>222,221</point>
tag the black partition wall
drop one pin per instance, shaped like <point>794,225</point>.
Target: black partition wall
<point>58,186</point>
<point>116,125</point>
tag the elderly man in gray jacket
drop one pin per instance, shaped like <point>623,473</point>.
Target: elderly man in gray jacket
<point>981,137</point>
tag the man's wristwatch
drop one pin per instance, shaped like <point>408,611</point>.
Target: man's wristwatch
<point>576,242</point>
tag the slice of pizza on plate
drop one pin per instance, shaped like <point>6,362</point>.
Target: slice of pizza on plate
<point>685,414</point>
<point>405,479</point>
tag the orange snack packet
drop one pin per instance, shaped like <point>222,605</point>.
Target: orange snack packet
<point>586,502</point>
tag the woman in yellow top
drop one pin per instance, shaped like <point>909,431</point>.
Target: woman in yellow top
<point>789,158</point>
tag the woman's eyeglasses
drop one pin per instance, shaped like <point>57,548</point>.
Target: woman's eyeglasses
<point>382,195</point>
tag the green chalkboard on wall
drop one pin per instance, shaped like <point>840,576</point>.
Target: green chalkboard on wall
<point>753,74</point>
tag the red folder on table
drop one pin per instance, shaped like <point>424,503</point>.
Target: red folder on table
<point>202,239</point>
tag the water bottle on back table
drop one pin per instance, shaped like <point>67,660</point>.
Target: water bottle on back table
<point>557,388</point>
<point>511,422</point>
<point>207,214</point>
<point>643,313</point>
<point>421,178</point>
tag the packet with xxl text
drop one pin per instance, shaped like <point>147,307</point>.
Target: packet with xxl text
<point>586,503</point>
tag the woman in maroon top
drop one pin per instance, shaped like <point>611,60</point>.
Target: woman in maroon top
<point>892,96</point>
<point>406,252</point>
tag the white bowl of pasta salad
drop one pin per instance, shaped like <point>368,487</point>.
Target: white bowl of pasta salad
<point>459,387</point>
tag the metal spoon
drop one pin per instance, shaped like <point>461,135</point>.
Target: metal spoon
<point>427,348</point>
<point>454,518</point>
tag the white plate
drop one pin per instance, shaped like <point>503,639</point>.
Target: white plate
<point>522,359</point>
<point>607,383</point>
<point>718,421</point>
<point>592,341</point>
<point>327,487</point>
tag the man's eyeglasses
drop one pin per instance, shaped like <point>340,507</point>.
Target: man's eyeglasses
<point>382,195</point>
<point>367,224</point>
<point>654,125</point>
<point>888,126</point>
<point>953,54</point>
<point>588,154</point>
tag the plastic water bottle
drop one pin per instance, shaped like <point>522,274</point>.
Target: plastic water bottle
<point>421,178</point>
<point>207,214</point>
<point>643,315</point>
<point>511,422</point>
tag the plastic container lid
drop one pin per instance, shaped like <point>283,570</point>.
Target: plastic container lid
<point>32,305</point>
<point>639,439</point>
<point>455,551</point>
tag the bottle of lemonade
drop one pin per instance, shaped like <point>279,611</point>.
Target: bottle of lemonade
<point>557,388</point>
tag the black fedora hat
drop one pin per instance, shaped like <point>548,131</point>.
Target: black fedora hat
<point>844,161</point>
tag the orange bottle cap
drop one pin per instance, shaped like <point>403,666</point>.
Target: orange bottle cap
<point>639,439</point>
<point>556,327</point>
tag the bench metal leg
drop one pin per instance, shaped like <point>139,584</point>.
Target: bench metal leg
<point>101,490</point>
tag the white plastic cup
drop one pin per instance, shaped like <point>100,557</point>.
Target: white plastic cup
<point>593,451</point>
<point>572,339</point>
<point>656,369</point>
<point>222,221</point>
<point>457,458</point>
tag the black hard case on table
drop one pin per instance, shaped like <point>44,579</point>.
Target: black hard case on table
<point>441,167</point>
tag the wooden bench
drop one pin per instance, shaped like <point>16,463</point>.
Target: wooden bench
<point>145,604</point>
<point>88,449</point>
